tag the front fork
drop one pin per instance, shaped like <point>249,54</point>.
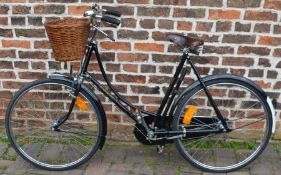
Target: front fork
<point>76,86</point>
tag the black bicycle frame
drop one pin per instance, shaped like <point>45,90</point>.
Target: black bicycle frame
<point>168,99</point>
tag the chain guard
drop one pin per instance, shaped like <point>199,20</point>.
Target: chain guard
<point>140,134</point>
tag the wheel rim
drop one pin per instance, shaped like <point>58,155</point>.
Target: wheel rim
<point>226,151</point>
<point>30,125</point>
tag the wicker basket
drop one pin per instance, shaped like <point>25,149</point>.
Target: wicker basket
<point>68,38</point>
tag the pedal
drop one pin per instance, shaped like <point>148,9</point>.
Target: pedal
<point>160,149</point>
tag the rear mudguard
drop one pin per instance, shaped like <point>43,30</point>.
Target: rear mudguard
<point>227,76</point>
<point>94,99</point>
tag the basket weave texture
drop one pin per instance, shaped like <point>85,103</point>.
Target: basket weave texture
<point>68,38</point>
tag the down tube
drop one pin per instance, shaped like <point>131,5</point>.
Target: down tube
<point>112,98</point>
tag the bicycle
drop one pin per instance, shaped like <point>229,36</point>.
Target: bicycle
<point>58,123</point>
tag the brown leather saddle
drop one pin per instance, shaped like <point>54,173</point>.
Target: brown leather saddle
<point>185,41</point>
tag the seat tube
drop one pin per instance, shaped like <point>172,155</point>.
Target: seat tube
<point>210,98</point>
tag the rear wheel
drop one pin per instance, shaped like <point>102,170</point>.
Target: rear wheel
<point>246,112</point>
<point>32,114</point>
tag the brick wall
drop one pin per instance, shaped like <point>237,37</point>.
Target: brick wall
<point>242,37</point>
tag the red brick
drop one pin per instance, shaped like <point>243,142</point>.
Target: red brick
<point>262,28</point>
<point>151,100</point>
<point>147,23</point>
<point>224,14</point>
<point>134,1</point>
<point>150,47</point>
<point>159,36</point>
<point>204,26</point>
<point>260,16</point>
<point>13,84</point>
<point>130,67</point>
<point>218,50</point>
<point>152,11</point>
<point>77,10</point>
<point>113,67</point>
<point>7,53</point>
<point>7,75</point>
<point>125,10</point>
<point>20,9</point>
<point>30,33</point>
<point>277,53</point>
<point>165,24</point>
<point>3,20</point>
<point>240,72</point>
<point>223,26</point>
<point>130,34</point>
<point>129,22</point>
<point>243,3</point>
<point>166,69</point>
<point>242,27</point>
<point>206,59</point>
<point>13,1</point>
<point>159,79</point>
<point>32,75</point>
<point>184,25</point>
<point>269,40</point>
<point>238,39</point>
<point>16,43</point>
<point>33,54</point>
<point>263,62</point>
<point>189,13</point>
<point>130,78</point>
<point>6,64</point>
<point>44,44</point>
<point>237,61</point>
<point>4,9</point>
<point>148,68</point>
<point>169,2</point>
<point>49,9</point>
<point>6,32</point>
<point>273,4</point>
<point>263,51</point>
<point>130,57</point>
<point>115,45</point>
<point>38,66</point>
<point>277,29</point>
<point>209,3</point>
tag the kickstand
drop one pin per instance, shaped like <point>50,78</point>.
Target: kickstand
<point>160,149</point>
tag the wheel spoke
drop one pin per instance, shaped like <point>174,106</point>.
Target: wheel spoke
<point>243,143</point>
<point>33,113</point>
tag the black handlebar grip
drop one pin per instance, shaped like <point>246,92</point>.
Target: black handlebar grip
<point>113,13</point>
<point>111,20</point>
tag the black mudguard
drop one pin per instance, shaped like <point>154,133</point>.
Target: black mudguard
<point>94,99</point>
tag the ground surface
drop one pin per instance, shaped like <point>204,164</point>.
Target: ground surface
<point>121,159</point>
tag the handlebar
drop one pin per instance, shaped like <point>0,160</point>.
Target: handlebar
<point>113,13</point>
<point>98,14</point>
<point>102,15</point>
<point>111,20</point>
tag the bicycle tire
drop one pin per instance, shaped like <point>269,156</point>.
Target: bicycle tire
<point>227,146</point>
<point>35,108</point>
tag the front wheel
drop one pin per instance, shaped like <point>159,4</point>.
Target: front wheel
<point>33,112</point>
<point>246,113</point>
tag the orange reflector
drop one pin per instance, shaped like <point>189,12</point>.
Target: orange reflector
<point>189,113</point>
<point>82,104</point>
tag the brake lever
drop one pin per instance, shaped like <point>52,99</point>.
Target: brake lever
<point>105,34</point>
